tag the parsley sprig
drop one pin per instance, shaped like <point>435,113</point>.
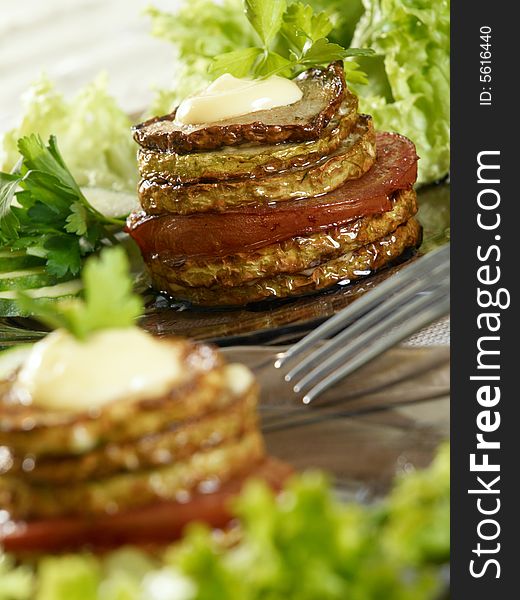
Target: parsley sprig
<point>292,39</point>
<point>108,299</point>
<point>44,212</point>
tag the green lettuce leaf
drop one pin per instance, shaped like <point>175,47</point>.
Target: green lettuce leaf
<point>418,527</point>
<point>94,134</point>
<point>408,82</point>
<point>72,577</point>
<point>16,582</point>
<point>409,86</point>
<point>221,27</point>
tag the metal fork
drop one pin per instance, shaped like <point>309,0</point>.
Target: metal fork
<point>411,299</point>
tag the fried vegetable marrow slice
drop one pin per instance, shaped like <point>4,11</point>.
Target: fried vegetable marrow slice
<point>128,490</point>
<point>206,387</point>
<point>354,157</point>
<point>323,92</point>
<point>348,267</point>
<point>249,160</point>
<point>174,444</point>
<point>294,255</point>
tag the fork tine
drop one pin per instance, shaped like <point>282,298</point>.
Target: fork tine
<point>407,326</point>
<point>371,333</point>
<point>364,385</point>
<point>420,267</point>
<point>368,320</point>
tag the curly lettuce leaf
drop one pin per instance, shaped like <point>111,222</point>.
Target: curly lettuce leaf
<point>409,86</point>
<point>408,83</point>
<point>94,134</point>
<point>418,528</point>
<point>224,31</point>
<point>72,577</point>
<point>221,27</point>
<point>16,582</point>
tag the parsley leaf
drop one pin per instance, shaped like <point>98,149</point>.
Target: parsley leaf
<point>44,212</point>
<point>63,255</point>
<point>301,25</point>
<point>294,38</point>
<point>77,221</point>
<point>108,303</point>
<point>276,64</point>
<point>109,299</point>
<point>45,310</point>
<point>239,62</point>
<point>266,17</point>
<point>47,160</point>
<point>322,51</point>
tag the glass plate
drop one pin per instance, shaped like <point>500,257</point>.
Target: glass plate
<point>386,418</point>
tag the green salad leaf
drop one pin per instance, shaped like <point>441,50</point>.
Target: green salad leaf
<point>266,17</point>
<point>8,222</point>
<point>226,42</point>
<point>417,528</point>
<point>409,84</point>
<point>222,27</point>
<point>16,582</point>
<point>44,211</point>
<point>71,578</point>
<point>293,39</point>
<point>408,79</point>
<point>303,544</point>
<point>94,134</point>
<point>108,300</point>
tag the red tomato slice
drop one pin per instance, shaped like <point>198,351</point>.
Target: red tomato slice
<point>175,237</point>
<point>156,524</point>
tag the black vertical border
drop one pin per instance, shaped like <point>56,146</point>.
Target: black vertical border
<point>474,129</point>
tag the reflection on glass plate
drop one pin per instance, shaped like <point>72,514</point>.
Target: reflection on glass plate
<point>389,416</point>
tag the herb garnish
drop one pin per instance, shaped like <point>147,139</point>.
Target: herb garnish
<point>293,38</point>
<point>44,212</point>
<point>108,299</point>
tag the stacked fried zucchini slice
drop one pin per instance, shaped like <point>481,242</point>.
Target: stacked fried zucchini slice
<point>275,203</point>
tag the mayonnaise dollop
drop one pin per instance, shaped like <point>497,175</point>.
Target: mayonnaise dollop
<point>229,97</point>
<point>63,373</point>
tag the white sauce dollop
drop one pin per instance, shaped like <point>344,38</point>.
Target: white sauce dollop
<point>229,97</point>
<point>63,373</point>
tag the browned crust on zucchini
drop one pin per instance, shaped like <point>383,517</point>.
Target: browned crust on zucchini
<point>127,490</point>
<point>250,160</point>
<point>350,161</point>
<point>39,432</point>
<point>164,447</point>
<point>346,268</point>
<point>188,139</point>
